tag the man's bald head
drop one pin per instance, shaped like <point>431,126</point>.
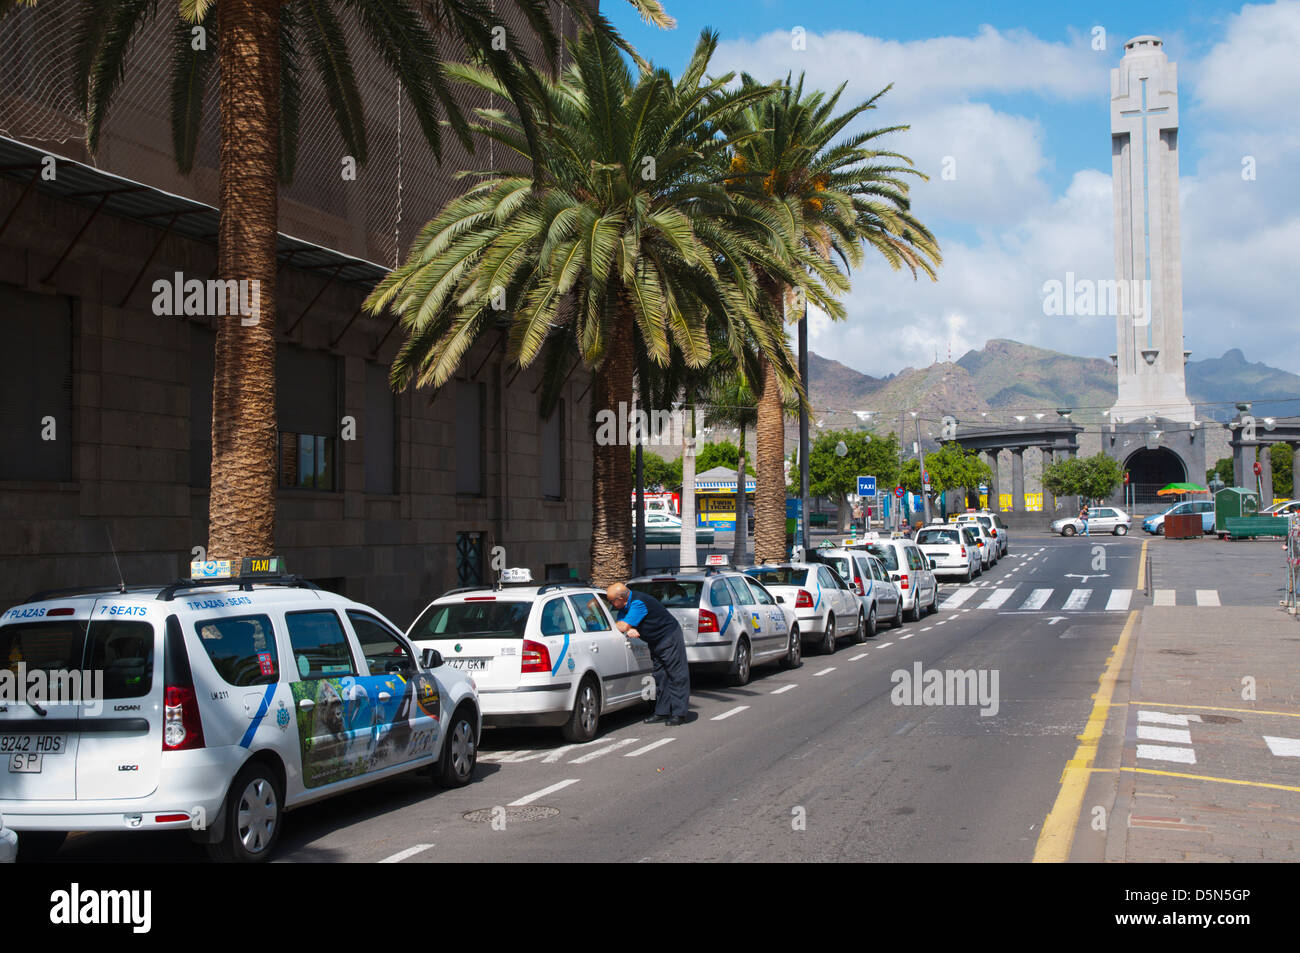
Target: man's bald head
<point>617,592</point>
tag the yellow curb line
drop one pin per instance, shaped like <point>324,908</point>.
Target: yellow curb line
<point>1247,711</point>
<point>1057,835</point>
<point>1142,565</point>
<point>1195,777</point>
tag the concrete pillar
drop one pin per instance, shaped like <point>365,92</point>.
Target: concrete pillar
<point>1295,470</point>
<point>1018,480</point>
<point>1239,466</point>
<point>994,503</point>
<point>1266,475</point>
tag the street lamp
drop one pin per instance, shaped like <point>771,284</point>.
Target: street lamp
<point>841,450</point>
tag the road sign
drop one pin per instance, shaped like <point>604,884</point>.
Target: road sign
<point>898,492</point>
<point>925,476</point>
<point>1258,469</point>
<point>926,488</point>
<point>866,486</point>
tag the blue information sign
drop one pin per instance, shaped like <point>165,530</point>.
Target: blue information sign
<point>866,486</point>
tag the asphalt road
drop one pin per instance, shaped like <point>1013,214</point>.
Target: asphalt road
<point>817,763</point>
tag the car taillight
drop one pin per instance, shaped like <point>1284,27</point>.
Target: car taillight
<point>857,581</point>
<point>902,581</point>
<point>536,657</point>
<point>963,552</point>
<point>182,730</point>
<point>708,621</point>
<point>803,600</point>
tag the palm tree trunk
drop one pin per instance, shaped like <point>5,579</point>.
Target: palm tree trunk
<point>688,555</point>
<point>769,495</point>
<point>742,521</point>
<point>241,508</point>
<point>611,467</point>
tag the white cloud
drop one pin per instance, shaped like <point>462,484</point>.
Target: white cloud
<point>1254,72</point>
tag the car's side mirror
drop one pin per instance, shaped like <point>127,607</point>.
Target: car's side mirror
<point>431,658</point>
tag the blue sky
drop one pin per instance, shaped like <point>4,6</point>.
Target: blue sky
<point>1016,94</point>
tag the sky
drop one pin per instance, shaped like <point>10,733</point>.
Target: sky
<point>1012,99</point>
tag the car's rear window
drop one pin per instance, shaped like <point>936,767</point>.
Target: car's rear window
<point>122,651</point>
<point>43,646</point>
<point>498,619</point>
<point>779,576</point>
<point>885,553</point>
<point>937,537</point>
<point>841,565</point>
<point>242,649</point>
<point>672,594</point>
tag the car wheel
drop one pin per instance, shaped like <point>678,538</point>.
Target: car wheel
<point>873,624</point>
<point>860,633</point>
<point>254,810</point>
<point>1160,530</point>
<point>37,846</point>
<point>828,637</point>
<point>459,751</point>
<point>794,656</point>
<point>1068,530</point>
<point>970,574</point>
<point>1121,530</point>
<point>582,724</point>
<point>740,667</point>
<point>915,614</point>
<point>934,601</point>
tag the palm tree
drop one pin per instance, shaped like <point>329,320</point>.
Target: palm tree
<point>260,53</point>
<point>829,199</point>
<point>623,219</point>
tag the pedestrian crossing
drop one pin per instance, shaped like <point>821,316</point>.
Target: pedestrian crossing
<point>1025,598</point>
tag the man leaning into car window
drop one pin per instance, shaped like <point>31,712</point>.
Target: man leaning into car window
<point>643,617</point>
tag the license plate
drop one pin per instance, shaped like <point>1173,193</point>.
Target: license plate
<point>33,744</point>
<point>25,763</point>
<point>469,664</point>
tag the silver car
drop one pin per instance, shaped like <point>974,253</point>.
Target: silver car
<point>869,580</point>
<point>729,621</point>
<point>1101,519</point>
<point>910,571</point>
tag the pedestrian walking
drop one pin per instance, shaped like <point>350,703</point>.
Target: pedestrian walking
<point>643,617</point>
<point>1083,518</point>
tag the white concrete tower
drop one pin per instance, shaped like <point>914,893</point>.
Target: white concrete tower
<point>1148,252</point>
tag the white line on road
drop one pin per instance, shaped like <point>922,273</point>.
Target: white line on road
<point>996,600</point>
<point>927,628</point>
<point>957,598</point>
<point>604,751</point>
<point>783,689</point>
<point>1163,597</point>
<point>884,645</point>
<point>1119,600</point>
<point>530,798</point>
<point>1164,718</point>
<point>1163,753</point>
<point>1179,736</point>
<point>854,658</point>
<point>559,753</point>
<point>1037,599</point>
<point>1283,747</point>
<point>1078,599</point>
<point>908,636</point>
<point>652,745</point>
<point>824,671</point>
<point>490,756</point>
<point>401,855</point>
<point>1207,597</point>
<point>727,714</point>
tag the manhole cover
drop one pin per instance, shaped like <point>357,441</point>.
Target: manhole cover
<point>1177,652</point>
<point>1220,720</point>
<point>511,815</point>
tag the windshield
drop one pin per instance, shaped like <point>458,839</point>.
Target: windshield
<point>937,537</point>
<point>671,593</point>
<point>885,553</point>
<point>779,576</point>
<point>472,620</point>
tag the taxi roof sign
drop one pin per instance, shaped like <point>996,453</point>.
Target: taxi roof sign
<point>249,566</point>
<point>210,569</point>
<point>262,566</point>
<point>716,559</point>
<point>517,574</point>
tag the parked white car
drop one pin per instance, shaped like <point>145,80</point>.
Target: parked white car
<point>910,571</point>
<point>824,604</point>
<point>868,579</point>
<point>1101,520</point>
<point>224,703</point>
<point>952,549</point>
<point>994,525</point>
<point>729,620</point>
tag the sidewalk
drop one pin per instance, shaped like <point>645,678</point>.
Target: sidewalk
<point>1197,781</point>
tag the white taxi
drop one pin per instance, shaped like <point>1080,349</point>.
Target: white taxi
<point>824,605</point>
<point>215,704</point>
<point>541,655</point>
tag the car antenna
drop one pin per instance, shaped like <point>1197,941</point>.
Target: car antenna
<point>120,578</point>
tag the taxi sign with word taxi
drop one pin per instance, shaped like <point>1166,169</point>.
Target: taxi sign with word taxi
<point>866,486</point>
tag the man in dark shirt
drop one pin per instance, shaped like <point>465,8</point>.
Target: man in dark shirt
<point>644,617</point>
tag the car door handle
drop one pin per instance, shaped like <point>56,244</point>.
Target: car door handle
<point>384,697</point>
<point>306,704</point>
<point>594,647</point>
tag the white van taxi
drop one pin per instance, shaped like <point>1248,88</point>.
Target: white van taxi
<point>216,704</point>
<point>541,655</point>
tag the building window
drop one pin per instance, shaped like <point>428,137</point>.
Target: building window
<point>552,454</point>
<point>308,413</point>
<point>469,559</point>
<point>379,439</point>
<point>36,393</point>
<point>470,398</point>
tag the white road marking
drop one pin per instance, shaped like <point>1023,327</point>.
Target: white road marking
<point>957,598</point>
<point>652,745</point>
<point>1119,600</point>
<point>1163,597</point>
<point>1179,736</point>
<point>488,757</point>
<point>1163,718</point>
<point>1283,747</point>
<point>401,855</point>
<point>1037,599</point>
<point>521,756</point>
<point>998,597</point>
<point>1207,597</point>
<point>1078,599</point>
<point>530,798</point>
<point>927,628</point>
<point>727,714</point>
<point>559,753</point>
<point>908,636</point>
<point>783,689</point>
<point>1163,753</point>
<point>824,671</point>
<point>884,645</point>
<point>604,751</point>
<point>854,658</point>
